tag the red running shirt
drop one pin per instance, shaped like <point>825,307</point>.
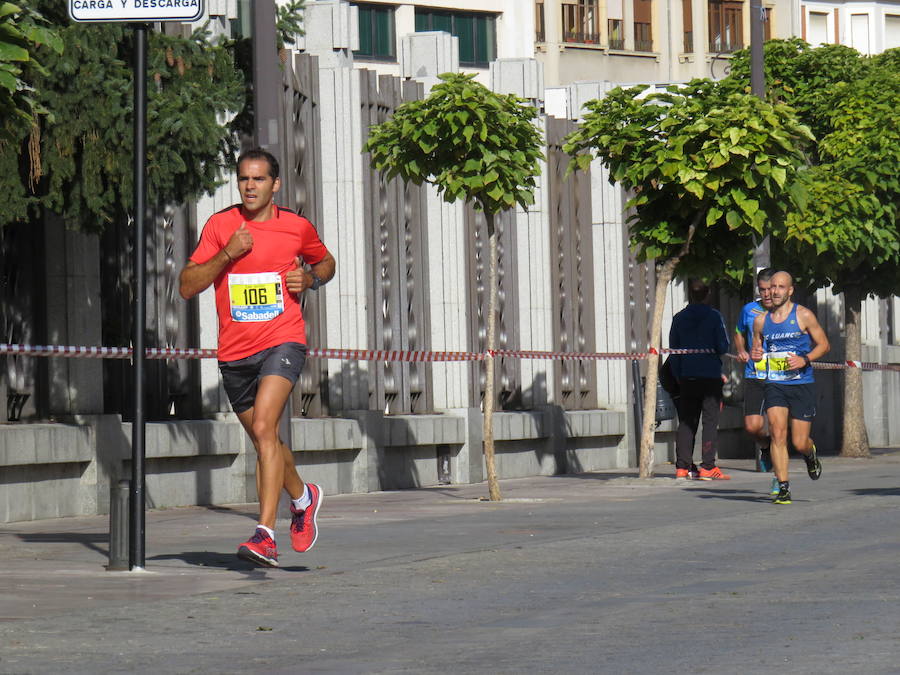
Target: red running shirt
<point>254,307</point>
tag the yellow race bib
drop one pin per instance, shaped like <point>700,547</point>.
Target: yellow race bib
<point>255,297</point>
<point>760,368</point>
<point>779,370</point>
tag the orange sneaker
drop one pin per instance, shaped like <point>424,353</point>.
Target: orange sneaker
<point>713,474</point>
<point>304,530</point>
<point>259,549</point>
<point>683,473</point>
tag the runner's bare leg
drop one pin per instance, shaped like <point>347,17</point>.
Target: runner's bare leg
<point>778,428</point>
<point>275,467</point>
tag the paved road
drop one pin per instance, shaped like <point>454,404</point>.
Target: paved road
<point>593,573</point>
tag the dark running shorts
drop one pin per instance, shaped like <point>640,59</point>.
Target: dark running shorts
<point>241,377</point>
<point>799,399</point>
<point>754,397</point>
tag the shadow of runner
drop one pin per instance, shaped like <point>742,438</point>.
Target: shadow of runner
<point>227,561</point>
<point>880,492</point>
<point>734,495</point>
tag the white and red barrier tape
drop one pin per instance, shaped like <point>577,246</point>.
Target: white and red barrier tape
<point>395,355</point>
<point>191,353</point>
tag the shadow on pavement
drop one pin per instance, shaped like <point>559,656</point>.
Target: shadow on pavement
<point>87,539</point>
<point>231,511</point>
<point>606,475</point>
<point>880,492</point>
<point>733,495</point>
<point>227,561</point>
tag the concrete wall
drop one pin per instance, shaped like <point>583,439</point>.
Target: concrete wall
<point>66,469</point>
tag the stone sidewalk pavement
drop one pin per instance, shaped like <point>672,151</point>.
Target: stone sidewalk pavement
<point>591,573</point>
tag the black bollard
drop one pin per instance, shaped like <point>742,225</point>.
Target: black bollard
<point>119,494</point>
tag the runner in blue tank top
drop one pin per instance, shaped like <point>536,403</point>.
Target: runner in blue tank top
<point>755,373</point>
<point>793,338</point>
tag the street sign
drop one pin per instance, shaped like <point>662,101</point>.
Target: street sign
<point>135,11</point>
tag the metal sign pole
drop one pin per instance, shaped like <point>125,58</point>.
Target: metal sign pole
<point>140,14</point>
<point>138,427</point>
<point>761,256</point>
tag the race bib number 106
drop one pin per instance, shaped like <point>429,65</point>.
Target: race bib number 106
<point>255,297</point>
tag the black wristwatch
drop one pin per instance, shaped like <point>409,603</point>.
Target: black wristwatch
<point>314,286</point>
<point>806,358</point>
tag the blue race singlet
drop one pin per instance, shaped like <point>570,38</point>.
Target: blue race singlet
<point>783,339</point>
<point>753,370</point>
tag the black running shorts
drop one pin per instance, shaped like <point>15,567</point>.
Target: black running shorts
<point>754,397</point>
<point>241,377</point>
<point>799,399</point>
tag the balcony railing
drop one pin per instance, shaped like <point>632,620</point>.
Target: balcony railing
<point>720,46</point>
<point>643,38</point>
<point>582,38</point>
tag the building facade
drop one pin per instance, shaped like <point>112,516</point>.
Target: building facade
<point>622,41</point>
<point>868,27</point>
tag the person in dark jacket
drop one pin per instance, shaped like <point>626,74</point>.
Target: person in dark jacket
<point>698,326</point>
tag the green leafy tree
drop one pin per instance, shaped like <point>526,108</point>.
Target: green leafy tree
<point>289,22</point>
<point>474,145</point>
<point>709,169</point>
<point>24,34</point>
<point>24,39</point>
<point>846,234</point>
<point>86,146</point>
<point>800,76</point>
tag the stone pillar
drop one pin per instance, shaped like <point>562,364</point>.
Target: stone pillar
<point>525,79</point>
<point>522,77</point>
<point>468,465</point>
<point>331,35</point>
<point>111,447</point>
<point>331,32</point>
<point>424,56</point>
<point>368,463</point>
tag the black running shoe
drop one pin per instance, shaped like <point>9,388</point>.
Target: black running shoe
<point>783,496</point>
<point>765,459</point>
<point>813,465</point>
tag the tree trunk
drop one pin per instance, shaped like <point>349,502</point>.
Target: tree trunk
<point>648,435</point>
<point>855,440</point>
<point>493,485</point>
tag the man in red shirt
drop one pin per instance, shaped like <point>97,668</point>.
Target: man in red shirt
<point>253,254</point>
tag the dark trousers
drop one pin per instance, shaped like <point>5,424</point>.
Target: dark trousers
<point>698,396</point>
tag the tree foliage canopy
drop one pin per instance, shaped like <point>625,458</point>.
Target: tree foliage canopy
<point>700,150</point>
<point>85,150</point>
<point>468,141</point>
<point>847,232</point>
<point>24,36</point>
<point>800,76</point>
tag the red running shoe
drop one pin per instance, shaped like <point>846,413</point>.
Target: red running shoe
<point>304,530</point>
<point>683,473</point>
<point>259,549</point>
<point>713,474</point>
